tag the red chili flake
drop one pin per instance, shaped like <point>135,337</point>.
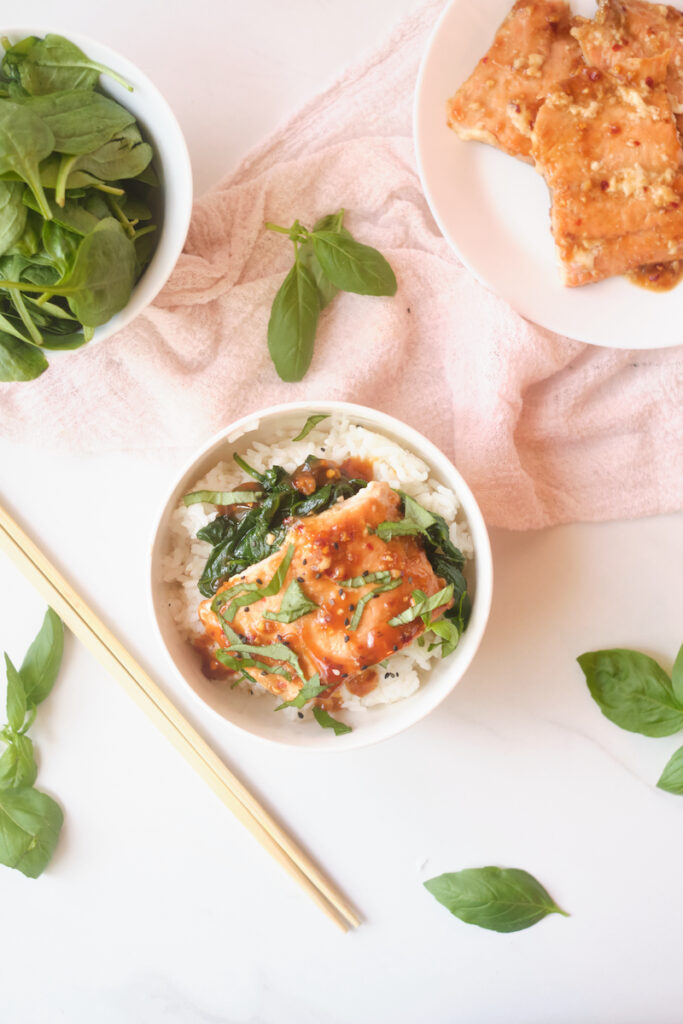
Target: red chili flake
<point>635,142</point>
<point>553,25</point>
<point>674,206</point>
<point>517,108</point>
<point>646,188</point>
<point>614,129</point>
<point>616,46</point>
<point>594,74</point>
<point>579,221</point>
<point>484,60</point>
<point>650,82</point>
<point>604,185</point>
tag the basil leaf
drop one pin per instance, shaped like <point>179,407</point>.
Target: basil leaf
<point>222,497</point>
<point>351,266</point>
<point>381,589</point>
<point>252,591</point>
<point>279,652</point>
<point>311,688</point>
<point>241,664</point>
<point>17,764</point>
<point>311,422</point>
<point>293,323</point>
<point>18,360</point>
<point>449,633</point>
<point>328,722</point>
<point>403,528</point>
<point>295,604</point>
<point>672,777</point>
<point>417,513</point>
<point>368,577</point>
<point>500,899</point>
<point>633,691</point>
<point>423,605</point>
<point>30,822</point>
<point>677,677</point>
<point>40,666</point>
<point>16,696</point>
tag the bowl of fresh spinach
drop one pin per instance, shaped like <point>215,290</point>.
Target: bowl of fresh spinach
<point>95,195</point>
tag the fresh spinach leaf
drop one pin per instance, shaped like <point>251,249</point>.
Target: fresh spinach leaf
<point>633,691</point>
<point>30,822</point>
<point>295,604</point>
<point>17,763</point>
<point>352,266</point>
<point>324,719</point>
<point>12,214</point>
<point>40,666</point>
<point>500,899</point>
<point>123,156</point>
<point>311,688</point>
<point>80,120</point>
<point>310,423</point>
<point>671,778</point>
<point>293,323</point>
<point>103,274</point>
<point>54,64</point>
<point>19,361</point>
<point>25,140</point>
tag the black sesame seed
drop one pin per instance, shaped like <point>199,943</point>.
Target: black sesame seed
<point>365,572</point>
<point>258,580</point>
<point>363,668</point>
<point>346,638</point>
<point>387,674</point>
<point>346,621</point>
<point>305,561</point>
<point>395,647</point>
<point>351,607</point>
<point>341,592</point>
<point>300,714</point>
<point>345,675</point>
<point>299,579</point>
<point>335,546</point>
<point>318,575</point>
<point>246,609</point>
<point>322,449</point>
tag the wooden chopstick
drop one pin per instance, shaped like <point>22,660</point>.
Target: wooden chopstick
<point>92,632</point>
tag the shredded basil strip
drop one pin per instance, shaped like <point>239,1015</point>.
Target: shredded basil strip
<point>240,664</point>
<point>311,688</point>
<point>247,468</point>
<point>382,589</point>
<point>403,528</point>
<point>311,422</point>
<point>294,605</point>
<point>423,605</point>
<point>368,577</point>
<point>252,591</point>
<point>326,720</point>
<point>222,497</point>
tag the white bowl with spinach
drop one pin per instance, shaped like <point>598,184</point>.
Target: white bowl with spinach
<point>95,195</point>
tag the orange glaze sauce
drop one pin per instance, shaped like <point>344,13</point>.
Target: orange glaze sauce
<point>657,277</point>
<point>364,683</point>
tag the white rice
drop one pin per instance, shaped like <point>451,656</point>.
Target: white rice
<point>336,438</point>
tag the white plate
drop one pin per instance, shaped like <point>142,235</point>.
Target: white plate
<point>493,209</point>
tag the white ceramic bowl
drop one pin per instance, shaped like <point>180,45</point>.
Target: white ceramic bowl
<point>256,716</point>
<point>171,161</point>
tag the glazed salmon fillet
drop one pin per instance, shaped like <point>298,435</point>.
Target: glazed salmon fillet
<point>336,545</point>
<point>610,153</point>
<point>625,31</point>
<point>532,50</point>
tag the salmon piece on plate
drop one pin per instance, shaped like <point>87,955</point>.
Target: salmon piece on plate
<point>609,150</point>
<point>532,50</point>
<point>328,550</point>
<point>626,31</point>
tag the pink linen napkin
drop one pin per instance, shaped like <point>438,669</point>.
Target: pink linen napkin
<point>545,430</point>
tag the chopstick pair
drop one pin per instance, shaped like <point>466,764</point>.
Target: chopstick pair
<point>109,651</point>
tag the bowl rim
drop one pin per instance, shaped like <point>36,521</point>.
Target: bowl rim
<point>183,193</point>
<point>423,448</point>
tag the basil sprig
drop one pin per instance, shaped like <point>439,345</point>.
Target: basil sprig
<point>326,260</point>
<point>671,778</point>
<point>499,899</point>
<point>30,821</point>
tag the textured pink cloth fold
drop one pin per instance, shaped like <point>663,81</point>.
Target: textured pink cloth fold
<point>545,430</point>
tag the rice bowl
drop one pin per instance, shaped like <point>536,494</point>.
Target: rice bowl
<point>402,677</point>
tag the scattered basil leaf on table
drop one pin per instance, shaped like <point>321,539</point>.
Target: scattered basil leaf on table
<point>324,719</point>
<point>633,691</point>
<point>30,821</point>
<point>677,677</point>
<point>326,260</point>
<point>500,899</point>
<point>310,423</point>
<point>671,778</point>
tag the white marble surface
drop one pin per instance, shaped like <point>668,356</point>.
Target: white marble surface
<point>158,906</point>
